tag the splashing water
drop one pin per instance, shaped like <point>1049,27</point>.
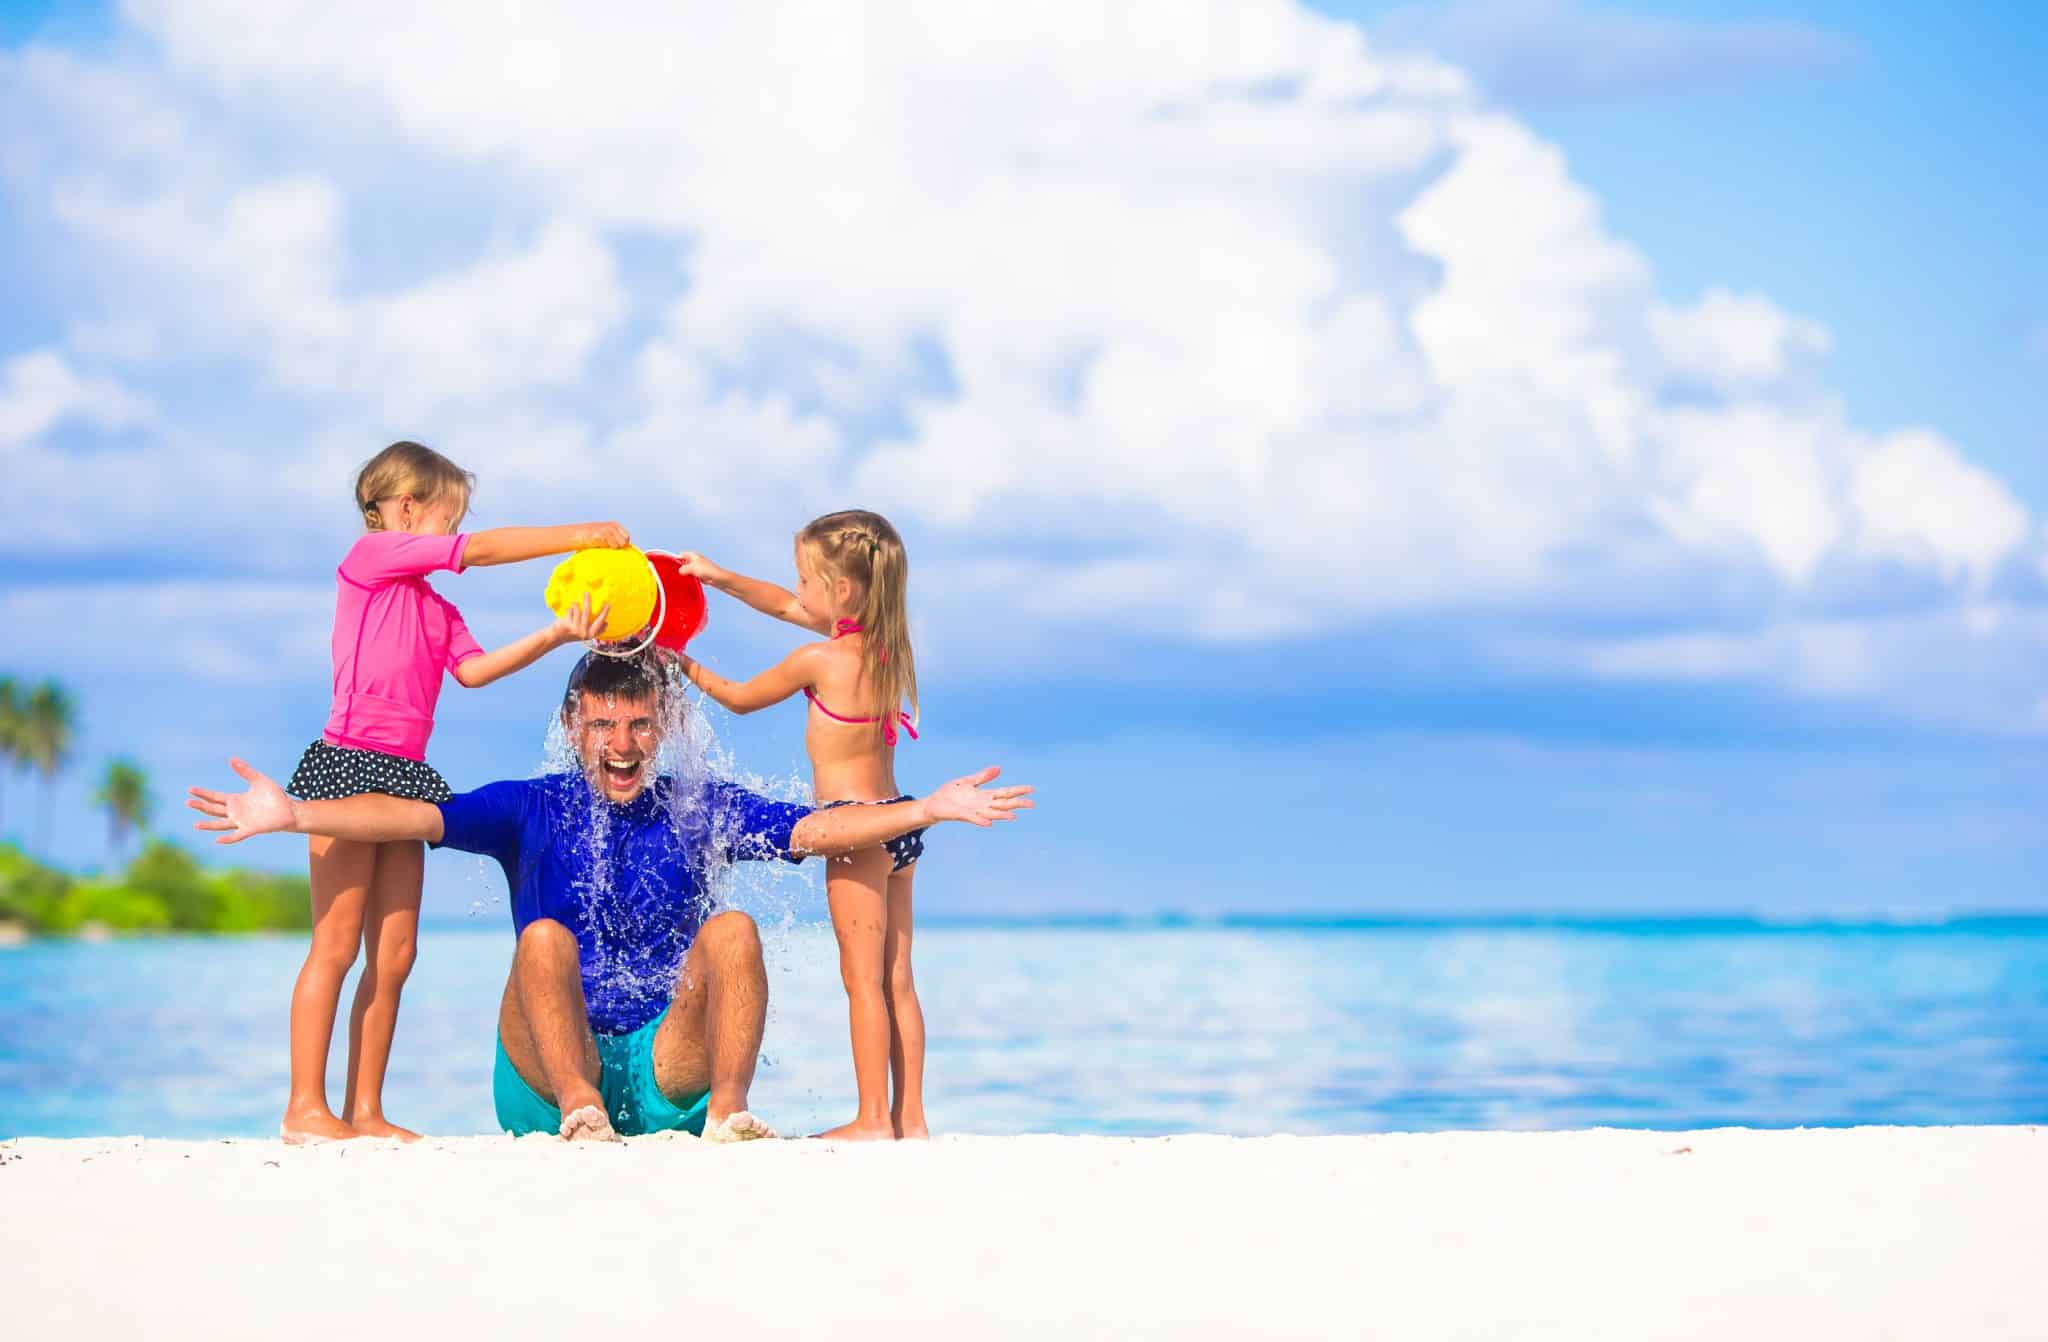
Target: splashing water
<point>686,756</point>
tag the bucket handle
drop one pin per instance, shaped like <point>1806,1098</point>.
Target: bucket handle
<point>653,627</point>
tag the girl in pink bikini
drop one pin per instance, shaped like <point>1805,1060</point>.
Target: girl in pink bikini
<point>851,580</point>
<point>394,636</point>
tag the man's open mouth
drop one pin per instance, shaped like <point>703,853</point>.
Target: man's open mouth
<point>621,774</point>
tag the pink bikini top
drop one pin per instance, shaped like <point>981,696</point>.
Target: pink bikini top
<point>843,628</point>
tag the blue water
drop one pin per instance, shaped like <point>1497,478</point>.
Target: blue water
<point>1241,1026</point>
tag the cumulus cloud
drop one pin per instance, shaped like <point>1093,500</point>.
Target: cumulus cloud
<point>1089,300</point>
<point>41,389</point>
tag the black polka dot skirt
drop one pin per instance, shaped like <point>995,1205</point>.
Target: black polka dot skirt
<point>326,773</point>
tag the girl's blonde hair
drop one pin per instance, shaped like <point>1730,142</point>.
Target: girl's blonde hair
<point>408,468</point>
<point>864,549</point>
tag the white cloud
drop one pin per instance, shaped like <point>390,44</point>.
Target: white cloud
<point>1097,299</point>
<point>40,389</point>
<point>1736,342</point>
<point>1919,501</point>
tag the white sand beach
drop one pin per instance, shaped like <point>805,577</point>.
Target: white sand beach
<point>1866,1233</point>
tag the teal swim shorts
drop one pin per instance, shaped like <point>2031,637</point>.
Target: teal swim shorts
<point>635,1103</point>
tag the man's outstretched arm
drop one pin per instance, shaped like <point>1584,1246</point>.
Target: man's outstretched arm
<point>848,829</point>
<point>372,817</point>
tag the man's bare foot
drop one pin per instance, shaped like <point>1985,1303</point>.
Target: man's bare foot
<point>737,1126</point>
<point>589,1123</point>
<point>376,1125</point>
<point>305,1129</point>
<point>858,1131</point>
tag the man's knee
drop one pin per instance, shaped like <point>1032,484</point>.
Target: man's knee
<point>545,939</point>
<point>731,933</point>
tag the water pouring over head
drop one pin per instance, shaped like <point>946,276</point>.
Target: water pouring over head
<point>616,714</point>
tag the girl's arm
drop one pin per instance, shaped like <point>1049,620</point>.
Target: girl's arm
<point>792,674</point>
<point>765,597</point>
<point>510,545</point>
<point>577,623</point>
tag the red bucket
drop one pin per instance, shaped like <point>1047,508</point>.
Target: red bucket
<point>683,612</point>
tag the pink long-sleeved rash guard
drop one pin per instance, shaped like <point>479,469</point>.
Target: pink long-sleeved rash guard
<point>394,636</point>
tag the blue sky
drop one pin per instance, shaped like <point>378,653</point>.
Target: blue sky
<point>1596,465</point>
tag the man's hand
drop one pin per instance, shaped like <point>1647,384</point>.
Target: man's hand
<point>602,536</point>
<point>578,623</point>
<point>263,809</point>
<point>966,799</point>
<point>700,568</point>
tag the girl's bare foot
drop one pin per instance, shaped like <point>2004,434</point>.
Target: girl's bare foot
<point>912,1132</point>
<point>316,1125</point>
<point>860,1131</point>
<point>376,1125</point>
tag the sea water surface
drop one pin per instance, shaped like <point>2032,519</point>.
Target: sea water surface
<point>1236,1026</point>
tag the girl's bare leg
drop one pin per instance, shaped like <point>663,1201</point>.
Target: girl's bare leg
<point>906,1017</point>
<point>390,943</point>
<point>340,871</point>
<point>854,890</point>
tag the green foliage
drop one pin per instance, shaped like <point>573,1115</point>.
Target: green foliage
<point>29,891</point>
<point>163,889</point>
<point>124,792</point>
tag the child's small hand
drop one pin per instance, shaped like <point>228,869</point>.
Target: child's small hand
<point>603,536</point>
<point>700,568</point>
<point>578,623</point>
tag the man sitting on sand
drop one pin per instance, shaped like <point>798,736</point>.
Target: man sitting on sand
<point>627,1010</point>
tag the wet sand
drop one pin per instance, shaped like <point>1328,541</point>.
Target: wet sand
<point>1872,1232</point>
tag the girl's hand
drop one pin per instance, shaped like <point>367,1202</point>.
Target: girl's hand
<point>700,568</point>
<point>263,809</point>
<point>602,536</point>
<point>965,799</point>
<point>578,623</point>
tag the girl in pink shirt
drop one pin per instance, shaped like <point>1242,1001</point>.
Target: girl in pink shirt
<point>394,636</point>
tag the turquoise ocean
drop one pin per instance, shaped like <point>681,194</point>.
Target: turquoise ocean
<point>1155,1026</point>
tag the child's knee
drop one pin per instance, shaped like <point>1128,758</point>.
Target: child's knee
<point>900,982</point>
<point>395,957</point>
<point>333,951</point>
<point>862,974</point>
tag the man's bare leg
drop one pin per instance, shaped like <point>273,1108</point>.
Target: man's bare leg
<point>711,1037</point>
<point>546,1029</point>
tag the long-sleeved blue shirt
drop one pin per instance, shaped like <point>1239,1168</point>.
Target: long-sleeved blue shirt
<point>631,882</point>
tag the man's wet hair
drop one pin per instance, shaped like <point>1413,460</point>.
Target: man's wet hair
<point>645,675</point>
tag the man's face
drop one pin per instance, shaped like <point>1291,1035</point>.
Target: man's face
<point>616,739</point>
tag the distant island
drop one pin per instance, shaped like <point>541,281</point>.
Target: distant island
<point>162,889</point>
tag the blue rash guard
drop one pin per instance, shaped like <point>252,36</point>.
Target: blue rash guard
<point>631,882</point>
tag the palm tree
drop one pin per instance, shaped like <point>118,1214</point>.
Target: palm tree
<point>48,721</point>
<point>125,794</point>
<point>10,729</point>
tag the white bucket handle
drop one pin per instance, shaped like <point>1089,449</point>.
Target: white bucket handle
<point>653,626</point>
